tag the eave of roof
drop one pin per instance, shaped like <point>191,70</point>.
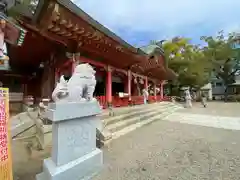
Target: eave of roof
<point>150,49</point>
<point>78,11</point>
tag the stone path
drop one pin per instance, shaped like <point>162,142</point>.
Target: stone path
<point>215,109</point>
<point>232,123</point>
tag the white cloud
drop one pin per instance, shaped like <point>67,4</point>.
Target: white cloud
<point>168,17</point>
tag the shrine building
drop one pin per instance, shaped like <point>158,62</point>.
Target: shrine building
<point>59,35</point>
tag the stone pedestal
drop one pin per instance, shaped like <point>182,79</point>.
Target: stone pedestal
<point>74,152</point>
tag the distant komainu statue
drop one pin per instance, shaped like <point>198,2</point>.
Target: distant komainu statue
<point>80,86</point>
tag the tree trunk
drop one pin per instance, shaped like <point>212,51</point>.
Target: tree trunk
<point>225,94</point>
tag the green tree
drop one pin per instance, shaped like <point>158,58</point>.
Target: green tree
<point>188,61</point>
<point>27,7</point>
<point>224,58</point>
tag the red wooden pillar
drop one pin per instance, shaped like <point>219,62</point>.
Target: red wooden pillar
<point>109,86</point>
<point>129,74</point>
<point>161,89</point>
<point>155,91</point>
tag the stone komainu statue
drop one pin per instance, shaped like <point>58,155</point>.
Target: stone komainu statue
<point>80,86</point>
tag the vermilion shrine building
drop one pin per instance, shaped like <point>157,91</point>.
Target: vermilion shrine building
<point>60,35</point>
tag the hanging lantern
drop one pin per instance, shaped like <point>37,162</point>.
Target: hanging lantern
<point>41,65</point>
<point>135,80</point>
<point>69,55</point>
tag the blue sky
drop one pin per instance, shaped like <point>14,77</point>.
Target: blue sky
<point>139,21</point>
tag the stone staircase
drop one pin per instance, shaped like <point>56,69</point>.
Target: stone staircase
<point>115,123</point>
<point>23,124</point>
<point>128,119</point>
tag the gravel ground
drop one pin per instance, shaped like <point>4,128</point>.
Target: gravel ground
<point>215,108</point>
<point>166,151</point>
<point>169,150</point>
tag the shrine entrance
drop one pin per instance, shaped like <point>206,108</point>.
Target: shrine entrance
<point>100,88</point>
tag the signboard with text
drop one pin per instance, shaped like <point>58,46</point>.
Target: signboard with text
<point>5,138</point>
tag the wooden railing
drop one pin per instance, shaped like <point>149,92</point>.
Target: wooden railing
<point>152,99</point>
<point>167,98</point>
<point>135,100</point>
<point>120,102</point>
<point>102,101</point>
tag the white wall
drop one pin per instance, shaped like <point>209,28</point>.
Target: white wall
<point>218,90</point>
<point>218,87</point>
<point>208,87</point>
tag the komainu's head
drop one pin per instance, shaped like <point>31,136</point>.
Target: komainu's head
<point>85,70</point>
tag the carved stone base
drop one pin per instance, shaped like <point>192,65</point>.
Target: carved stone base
<point>74,152</point>
<point>83,168</point>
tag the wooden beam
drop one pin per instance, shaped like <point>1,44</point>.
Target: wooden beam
<point>90,61</point>
<point>54,37</point>
<point>85,34</point>
<point>107,56</point>
<point>121,70</point>
<point>138,75</point>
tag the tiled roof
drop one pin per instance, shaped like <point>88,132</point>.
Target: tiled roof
<point>79,12</point>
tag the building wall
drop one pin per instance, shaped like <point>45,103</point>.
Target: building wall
<point>208,89</point>
<point>218,88</point>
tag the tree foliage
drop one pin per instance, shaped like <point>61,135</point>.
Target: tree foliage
<point>188,61</point>
<point>196,65</point>
<point>224,58</point>
<point>28,7</point>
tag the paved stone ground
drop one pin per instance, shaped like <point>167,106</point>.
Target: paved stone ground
<point>216,109</point>
<point>169,150</point>
<point>231,123</point>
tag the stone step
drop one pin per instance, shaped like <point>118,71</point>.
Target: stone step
<point>44,133</point>
<point>131,114</point>
<point>139,124</point>
<point>124,110</point>
<point>136,118</point>
<point>20,123</point>
<point>108,133</point>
